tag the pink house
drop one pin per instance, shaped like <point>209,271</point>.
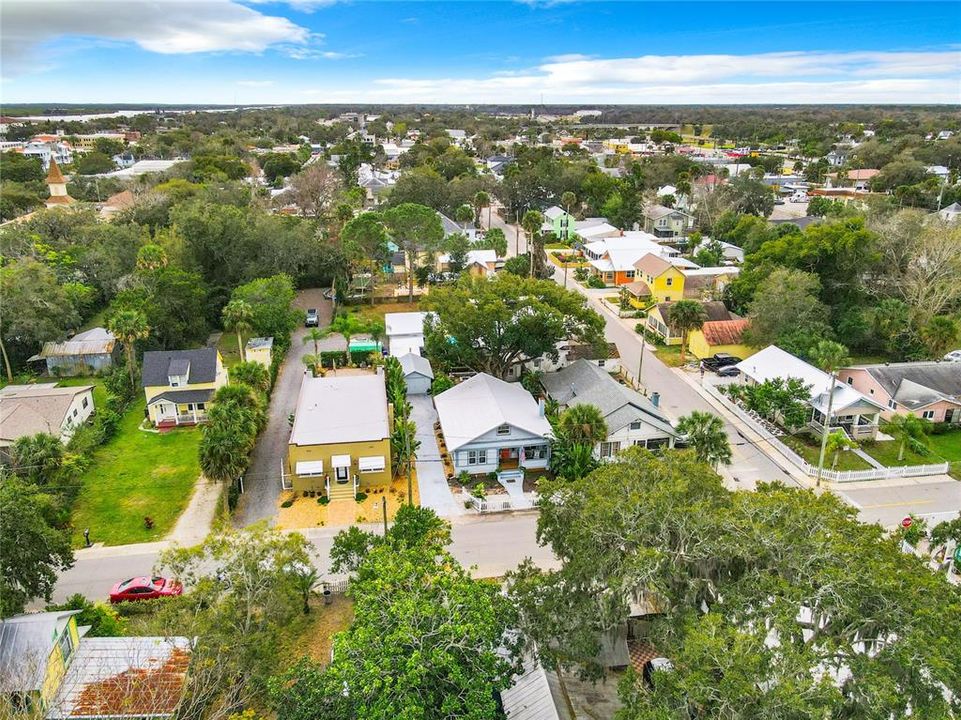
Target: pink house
<point>930,390</point>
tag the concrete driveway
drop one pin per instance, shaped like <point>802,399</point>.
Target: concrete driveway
<point>262,480</point>
<point>432,485</point>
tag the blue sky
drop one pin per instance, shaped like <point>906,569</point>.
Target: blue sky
<point>315,51</point>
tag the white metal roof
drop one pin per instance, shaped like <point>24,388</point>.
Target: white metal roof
<point>773,362</point>
<point>341,410</point>
<point>406,323</point>
<point>413,363</point>
<point>482,403</point>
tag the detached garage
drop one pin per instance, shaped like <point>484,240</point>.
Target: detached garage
<point>417,373</point>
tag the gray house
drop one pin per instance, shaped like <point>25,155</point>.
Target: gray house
<point>631,418</point>
<point>86,353</point>
<point>417,373</point>
<point>491,425</point>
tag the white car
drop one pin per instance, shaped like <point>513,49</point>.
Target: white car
<point>953,356</point>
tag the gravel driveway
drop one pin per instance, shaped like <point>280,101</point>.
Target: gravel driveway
<point>262,480</point>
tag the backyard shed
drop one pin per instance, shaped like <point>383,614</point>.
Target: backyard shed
<point>86,353</point>
<point>418,374</point>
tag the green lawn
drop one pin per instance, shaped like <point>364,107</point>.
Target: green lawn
<point>137,474</point>
<point>99,391</point>
<point>228,349</point>
<point>670,355</point>
<point>886,453</point>
<point>947,445</point>
<point>808,448</point>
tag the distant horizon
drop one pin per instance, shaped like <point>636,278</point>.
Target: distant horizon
<point>535,52</point>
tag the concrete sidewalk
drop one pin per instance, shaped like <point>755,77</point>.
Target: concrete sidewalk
<point>432,485</point>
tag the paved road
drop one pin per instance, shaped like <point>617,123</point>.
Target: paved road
<point>494,544</point>
<point>677,398</point>
<point>516,237</point>
<point>262,480</point>
<point>888,502</point>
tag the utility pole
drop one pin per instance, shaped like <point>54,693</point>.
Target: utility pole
<point>640,364</point>
<point>384,507</point>
<point>827,429</point>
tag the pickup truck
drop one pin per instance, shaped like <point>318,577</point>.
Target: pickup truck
<point>720,361</point>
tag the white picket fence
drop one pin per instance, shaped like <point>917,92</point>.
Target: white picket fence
<point>838,476</point>
<point>501,504</point>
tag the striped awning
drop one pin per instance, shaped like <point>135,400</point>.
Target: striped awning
<point>309,467</point>
<point>372,464</point>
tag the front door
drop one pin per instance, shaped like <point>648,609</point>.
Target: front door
<point>342,474</point>
<point>949,415</point>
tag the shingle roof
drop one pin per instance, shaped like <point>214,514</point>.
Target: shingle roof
<point>54,176</point>
<point>583,383</point>
<point>652,264</point>
<point>482,403</point>
<point>725,332</point>
<point>28,410</point>
<point>183,396</point>
<point>638,288</point>
<point>918,384</point>
<point>156,365</point>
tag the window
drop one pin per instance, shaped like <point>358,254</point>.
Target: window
<point>608,449</point>
<point>870,389</point>
<point>471,457</point>
<point>636,425</point>
<point>928,414</point>
<point>629,274</point>
<point>481,457</point>
<point>600,363</point>
<point>851,382</point>
<point>669,282</point>
<point>503,429</point>
<point>893,405</point>
<point>75,412</point>
<point>201,406</point>
<point>535,452</point>
<point>667,298</point>
<point>85,403</point>
<point>66,644</point>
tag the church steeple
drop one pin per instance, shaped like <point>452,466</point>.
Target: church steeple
<point>58,187</point>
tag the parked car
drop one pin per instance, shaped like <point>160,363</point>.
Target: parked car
<point>953,356</point>
<point>313,320</point>
<point>727,371</point>
<point>720,360</point>
<point>145,588</point>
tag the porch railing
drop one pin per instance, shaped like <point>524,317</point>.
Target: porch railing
<point>488,506</point>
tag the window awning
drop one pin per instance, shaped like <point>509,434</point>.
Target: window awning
<point>372,463</point>
<point>309,467</point>
<point>340,461</point>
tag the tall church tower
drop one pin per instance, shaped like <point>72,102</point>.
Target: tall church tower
<point>58,187</point>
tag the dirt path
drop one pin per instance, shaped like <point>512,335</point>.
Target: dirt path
<point>262,481</point>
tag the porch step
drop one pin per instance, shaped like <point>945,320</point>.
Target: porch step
<point>511,476</point>
<point>341,492</point>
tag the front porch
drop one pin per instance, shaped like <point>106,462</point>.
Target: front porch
<point>188,414</point>
<point>857,427</point>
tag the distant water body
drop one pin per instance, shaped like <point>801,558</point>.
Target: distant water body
<point>118,114</point>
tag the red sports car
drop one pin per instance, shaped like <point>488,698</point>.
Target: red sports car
<point>145,588</point>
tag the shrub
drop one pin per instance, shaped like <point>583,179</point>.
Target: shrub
<point>287,503</point>
<point>595,282</point>
<point>442,382</point>
<point>103,619</point>
<point>323,500</point>
<point>464,477</point>
<point>360,497</point>
<point>148,522</point>
<point>479,491</point>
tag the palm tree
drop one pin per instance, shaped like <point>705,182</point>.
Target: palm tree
<point>830,357</point>
<point>313,361</point>
<point>151,257</point>
<point>403,449</point>
<point>939,334</point>
<point>838,441</point>
<point>346,326</point>
<point>305,580</point>
<point>464,214</point>
<point>705,434</point>
<point>908,428</point>
<point>532,223</point>
<point>582,424</point>
<point>687,315</point>
<point>238,317</point>
<point>129,326</point>
<point>315,335</point>
<point>481,200</point>
<point>376,330</point>
<point>573,461</point>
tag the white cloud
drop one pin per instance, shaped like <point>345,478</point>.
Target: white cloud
<point>255,83</point>
<point>172,27</point>
<point>306,6</point>
<point>786,77</point>
<point>306,53</point>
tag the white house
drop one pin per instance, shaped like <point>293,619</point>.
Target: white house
<point>854,412</point>
<point>951,213</point>
<point>61,152</point>
<point>631,418</point>
<point>490,425</point>
<point>405,332</point>
<point>43,408</point>
<point>418,374</point>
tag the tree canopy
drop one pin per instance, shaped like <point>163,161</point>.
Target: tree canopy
<point>490,325</point>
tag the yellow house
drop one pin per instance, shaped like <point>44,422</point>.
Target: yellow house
<point>260,350</point>
<point>49,668</point>
<point>720,336</point>
<point>179,384</point>
<point>340,442</point>
<point>665,282</point>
